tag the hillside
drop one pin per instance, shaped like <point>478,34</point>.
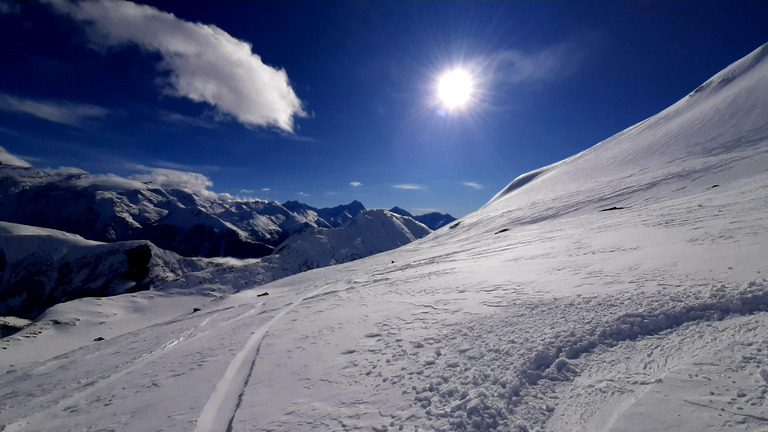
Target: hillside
<point>41,267</point>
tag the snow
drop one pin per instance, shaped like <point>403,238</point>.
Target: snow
<point>367,233</point>
<point>537,312</point>
<point>41,267</point>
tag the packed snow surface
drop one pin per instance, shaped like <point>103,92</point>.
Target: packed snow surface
<point>622,289</point>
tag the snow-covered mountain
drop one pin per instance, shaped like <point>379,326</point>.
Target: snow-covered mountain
<point>111,208</point>
<point>333,216</point>
<point>622,289</point>
<point>433,220</point>
<point>369,232</point>
<point>42,267</point>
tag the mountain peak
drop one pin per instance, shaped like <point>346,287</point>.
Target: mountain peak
<point>400,211</point>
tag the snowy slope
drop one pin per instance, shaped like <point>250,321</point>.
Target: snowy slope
<point>537,312</point>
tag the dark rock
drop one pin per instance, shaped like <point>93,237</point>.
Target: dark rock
<point>138,259</point>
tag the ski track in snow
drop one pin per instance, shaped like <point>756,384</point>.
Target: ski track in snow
<point>219,412</point>
<point>94,383</point>
<point>98,382</point>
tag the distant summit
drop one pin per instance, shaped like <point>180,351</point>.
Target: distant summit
<point>432,220</point>
<point>333,216</point>
<point>400,211</point>
<point>369,232</point>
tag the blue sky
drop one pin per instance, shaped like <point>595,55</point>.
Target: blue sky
<point>327,102</point>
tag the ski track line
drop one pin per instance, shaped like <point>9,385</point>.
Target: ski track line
<point>21,424</point>
<point>218,414</point>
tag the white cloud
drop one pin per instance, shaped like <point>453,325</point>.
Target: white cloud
<point>409,187</point>
<point>265,189</point>
<point>246,191</point>
<point>73,114</point>
<point>106,180</point>
<point>302,194</point>
<point>9,159</point>
<point>71,170</point>
<point>191,182</point>
<point>206,64</point>
<point>355,184</point>
<point>472,185</point>
<point>178,166</point>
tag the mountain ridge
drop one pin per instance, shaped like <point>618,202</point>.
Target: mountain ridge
<point>111,208</point>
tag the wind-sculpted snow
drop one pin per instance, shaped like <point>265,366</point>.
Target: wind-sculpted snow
<point>538,312</point>
<point>510,380</point>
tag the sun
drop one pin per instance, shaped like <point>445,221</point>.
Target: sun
<point>454,88</point>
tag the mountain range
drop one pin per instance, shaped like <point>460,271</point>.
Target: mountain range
<point>87,246</point>
<point>110,208</point>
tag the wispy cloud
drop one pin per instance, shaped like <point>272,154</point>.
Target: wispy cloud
<point>472,185</point>
<point>191,182</point>
<point>182,120</point>
<point>420,211</point>
<point>206,64</point>
<point>246,191</point>
<point>7,8</point>
<point>515,66</point>
<point>69,113</point>
<point>177,166</point>
<point>409,187</point>
<point>9,159</point>
<point>265,189</point>
<point>355,184</point>
<point>302,194</point>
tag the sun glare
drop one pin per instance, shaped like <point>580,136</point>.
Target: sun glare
<point>454,88</point>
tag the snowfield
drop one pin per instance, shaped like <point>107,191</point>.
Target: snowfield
<point>623,289</point>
